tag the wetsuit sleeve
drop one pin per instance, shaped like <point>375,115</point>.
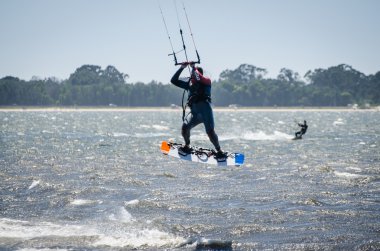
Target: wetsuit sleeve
<point>200,78</point>
<point>177,82</point>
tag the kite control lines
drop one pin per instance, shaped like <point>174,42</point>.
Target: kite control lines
<point>184,105</point>
<point>181,32</point>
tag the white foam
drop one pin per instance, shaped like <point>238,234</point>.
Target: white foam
<point>267,119</point>
<point>34,184</point>
<point>122,215</point>
<point>27,230</point>
<point>157,127</point>
<point>260,135</point>
<point>357,169</point>
<point>339,121</point>
<point>132,202</point>
<point>348,175</point>
<point>81,202</point>
<point>262,178</point>
<point>110,236</point>
<point>141,238</point>
<point>120,134</point>
<point>149,135</point>
<point>228,137</point>
<point>202,137</point>
<point>160,127</point>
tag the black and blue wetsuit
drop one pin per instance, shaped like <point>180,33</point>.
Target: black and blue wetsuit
<point>199,101</point>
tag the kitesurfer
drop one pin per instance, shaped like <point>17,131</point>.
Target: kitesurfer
<point>303,129</point>
<point>199,101</point>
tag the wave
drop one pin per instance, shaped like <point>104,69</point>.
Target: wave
<point>160,127</point>
<point>136,239</point>
<point>150,135</point>
<point>132,202</point>
<point>119,230</point>
<point>260,135</point>
<point>348,175</point>
<point>156,127</point>
<point>249,135</point>
<point>81,202</point>
<point>28,230</point>
<point>122,215</point>
<point>140,135</point>
<point>34,184</point>
<point>339,121</point>
<point>120,134</point>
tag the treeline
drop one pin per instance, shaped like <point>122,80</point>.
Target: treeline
<point>90,85</point>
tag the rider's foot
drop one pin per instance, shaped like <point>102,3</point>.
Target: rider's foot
<point>220,156</point>
<point>184,150</point>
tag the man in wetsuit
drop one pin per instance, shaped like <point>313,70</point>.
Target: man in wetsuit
<point>303,129</point>
<point>199,101</point>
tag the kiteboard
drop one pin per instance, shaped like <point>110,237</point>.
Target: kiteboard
<point>296,138</point>
<point>201,155</point>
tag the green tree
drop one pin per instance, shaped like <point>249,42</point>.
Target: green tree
<point>245,85</point>
<point>86,75</point>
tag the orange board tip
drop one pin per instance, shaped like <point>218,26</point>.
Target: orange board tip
<point>165,148</point>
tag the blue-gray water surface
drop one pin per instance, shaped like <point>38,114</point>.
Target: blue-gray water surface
<point>96,180</point>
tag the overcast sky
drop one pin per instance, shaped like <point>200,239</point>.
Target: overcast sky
<point>47,38</point>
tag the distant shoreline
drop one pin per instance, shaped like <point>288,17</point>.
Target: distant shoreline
<point>167,109</point>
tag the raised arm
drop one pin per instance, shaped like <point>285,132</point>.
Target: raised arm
<point>177,82</point>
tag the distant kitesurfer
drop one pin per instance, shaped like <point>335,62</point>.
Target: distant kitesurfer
<point>303,129</point>
<point>199,101</point>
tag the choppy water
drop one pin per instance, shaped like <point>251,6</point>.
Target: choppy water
<point>86,180</point>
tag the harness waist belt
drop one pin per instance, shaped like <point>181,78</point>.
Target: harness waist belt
<point>198,98</point>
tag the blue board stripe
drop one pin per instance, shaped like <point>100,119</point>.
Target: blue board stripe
<point>239,159</point>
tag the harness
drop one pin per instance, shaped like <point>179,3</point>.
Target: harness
<point>197,98</point>
<point>198,95</point>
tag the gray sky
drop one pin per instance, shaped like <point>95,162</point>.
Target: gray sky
<point>48,38</point>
